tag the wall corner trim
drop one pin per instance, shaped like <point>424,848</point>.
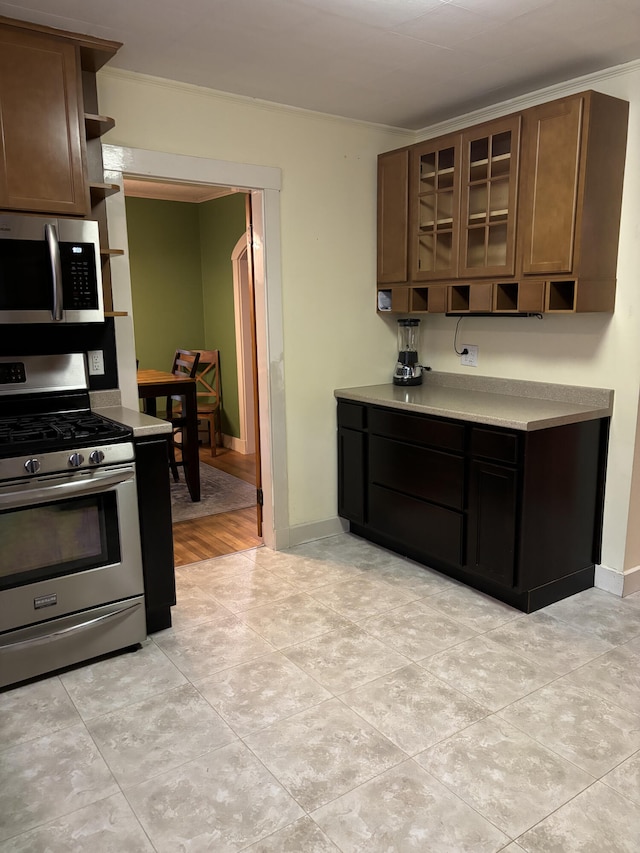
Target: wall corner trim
<point>300,533</point>
<point>617,583</point>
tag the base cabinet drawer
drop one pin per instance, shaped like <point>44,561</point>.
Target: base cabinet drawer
<point>435,531</point>
<point>417,471</point>
<point>417,429</point>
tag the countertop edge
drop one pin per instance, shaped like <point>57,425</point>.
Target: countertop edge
<point>141,424</point>
<point>574,413</point>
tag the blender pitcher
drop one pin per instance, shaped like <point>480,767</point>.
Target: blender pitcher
<point>408,371</point>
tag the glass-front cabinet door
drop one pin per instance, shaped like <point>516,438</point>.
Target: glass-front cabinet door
<point>489,186</point>
<point>435,208</point>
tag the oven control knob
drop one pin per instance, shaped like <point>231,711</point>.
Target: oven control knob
<point>32,466</point>
<point>96,457</point>
<point>76,460</point>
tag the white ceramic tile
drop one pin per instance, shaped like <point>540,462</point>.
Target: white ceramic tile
<point>603,614</point>
<point>416,630</point>
<point>311,568</point>
<point>119,681</point>
<point>203,650</point>
<point>472,608</point>
<point>407,575</point>
<point>413,708</point>
<point>362,597</point>
<point>222,802</point>
<point>543,638</point>
<point>323,752</point>
<point>418,814</point>
<point>303,836</point>
<point>614,677</point>
<point>194,606</point>
<point>510,779</point>
<point>238,592</point>
<point>625,778</point>
<point>160,733</point>
<point>597,820</point>
<point>107,826</point>
<point>34,710</point>
<point>343,659</point>
<point>256,694</point>
<point>293,620</point>
<point>266,558</point>
<point>490,673</point>
<point>49,777</point>
<point>586,730</point>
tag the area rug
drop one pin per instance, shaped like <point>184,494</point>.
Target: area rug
<point>219,492</point>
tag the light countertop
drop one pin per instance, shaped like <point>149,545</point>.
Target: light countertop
<point>513,404</point>
<point>140,423</point>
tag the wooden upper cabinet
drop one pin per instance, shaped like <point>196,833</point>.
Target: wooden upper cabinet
<point>551,156</point>
<point>41,124</point>
<point>489,195</point>
<point>573,166</point>
<point>519,214</point>
<point>434,199</point>
<point>393,210</point>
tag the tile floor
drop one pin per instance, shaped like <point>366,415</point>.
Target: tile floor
<point>336,697</point>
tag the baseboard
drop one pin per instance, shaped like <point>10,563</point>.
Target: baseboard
<point>233,443</point>
<point>618,583</point>
<point>301,533</point>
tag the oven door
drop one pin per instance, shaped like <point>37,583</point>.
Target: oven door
<point>70,542</point>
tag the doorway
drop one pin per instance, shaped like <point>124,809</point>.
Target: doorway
<point>263,184</point>
<point>192,288</point>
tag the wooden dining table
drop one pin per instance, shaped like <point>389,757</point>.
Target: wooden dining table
<point>157,383</point>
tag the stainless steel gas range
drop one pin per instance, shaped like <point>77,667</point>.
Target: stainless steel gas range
<point>71,585</point>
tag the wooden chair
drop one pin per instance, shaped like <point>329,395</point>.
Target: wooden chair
<point>184,361</point>
<point>209,394</point>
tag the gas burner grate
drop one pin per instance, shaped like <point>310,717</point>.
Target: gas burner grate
<point>58,429</point>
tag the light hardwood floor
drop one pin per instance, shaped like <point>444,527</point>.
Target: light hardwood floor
<point>226,532</point>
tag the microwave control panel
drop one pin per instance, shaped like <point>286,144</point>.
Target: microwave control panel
<point>79,275</point>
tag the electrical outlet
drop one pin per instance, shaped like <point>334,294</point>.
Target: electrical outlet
<point>96,362</point>
<point>471,358</point>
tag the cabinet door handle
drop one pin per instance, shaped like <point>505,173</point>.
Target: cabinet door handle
<point>51,236</point>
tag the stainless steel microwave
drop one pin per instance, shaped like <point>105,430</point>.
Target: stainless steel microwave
<point>49,270</point>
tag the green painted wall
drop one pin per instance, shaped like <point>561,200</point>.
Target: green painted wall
<point>166,281</point>
<point>182,284</point>
<point>222,223</point>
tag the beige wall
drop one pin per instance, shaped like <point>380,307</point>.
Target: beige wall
<point>332,335</point>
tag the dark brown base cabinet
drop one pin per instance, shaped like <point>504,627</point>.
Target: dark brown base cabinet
<point>154,512</point>
<point>515,514</point>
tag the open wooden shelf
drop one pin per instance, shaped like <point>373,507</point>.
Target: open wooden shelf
<point>96,126</point>
<point>99,191</point>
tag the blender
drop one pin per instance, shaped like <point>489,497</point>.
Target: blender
<point>408,371</point>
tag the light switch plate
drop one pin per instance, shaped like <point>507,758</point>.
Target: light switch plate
<point>471,357</point>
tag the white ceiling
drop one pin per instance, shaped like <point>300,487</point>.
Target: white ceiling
<point>406,63</point>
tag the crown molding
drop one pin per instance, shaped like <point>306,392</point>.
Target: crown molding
<point>531,99</point>
<point>244,100</point>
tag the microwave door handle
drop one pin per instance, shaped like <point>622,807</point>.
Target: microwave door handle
<point>51,236</point>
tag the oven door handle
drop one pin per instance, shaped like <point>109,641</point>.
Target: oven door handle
<point>66,489</point>
<point>63,632</point>
<point>51,236</point>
